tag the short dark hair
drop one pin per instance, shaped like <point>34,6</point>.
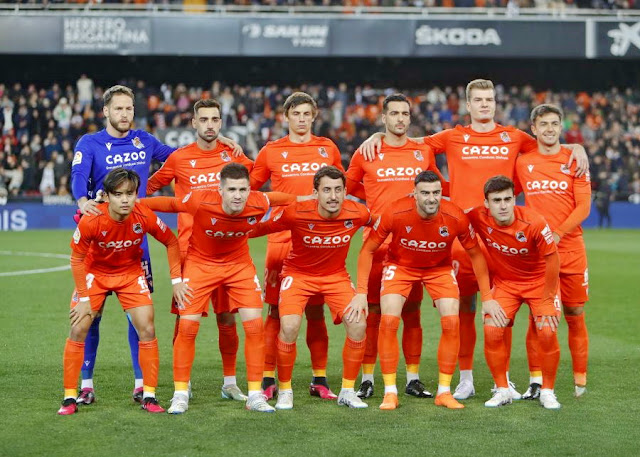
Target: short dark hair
<point>497,184</point>
<point>234,171</point>
<point>117,176</point>
<point>299,98</point>
<point>394,98</point>
<point>116,90</point>
<point>206,103</point>
<point>427,176</point>
<point>543,109</point>
<point>330,172</point>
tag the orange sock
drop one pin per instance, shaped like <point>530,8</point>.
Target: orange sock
<point>371,349</point>
<point>449,344</point>
<point>175,330</point>
<point>286,359</point>
<point>533,348</point>
<point>228,344</point>
<point>388,344</point>
<point>352,355</point>
<point>495,353</point>
<point>318,342</point>
<point>72,364</point>
<point>412,337</point>
<point>508,338</point>
<point>579,346</point>
<point>254,349</point>
<point>467,340</point>
<point>149,363</point>
<point>549,356</point>
<point>184,349</point>
<point>271,330</point>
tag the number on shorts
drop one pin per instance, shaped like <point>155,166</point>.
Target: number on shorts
<point>90,277</point>
<point>389,272</point>
<point>142,282</point>
<point>286,282</point>
<point>556,303</point>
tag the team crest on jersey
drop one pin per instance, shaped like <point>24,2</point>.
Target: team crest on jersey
<point>504,136</point>
<point>566,170</point>
<point>213,221</point>
<point>310,226</point>
<point>225,156</point>
<point>408,228</point>
<point>251,220</point>
<point>77,158</point>
<point>444,231</point>
<point>530,168</point>
<point>466,137</point>
<point>186,198</point>
<point>284,154</point>
<point>108,145</point>
<point>348,224</point>
<point>490,230</point>
<point>137,143</point>
<point>323,152</point>
<point>137,228</point>
<point>520,236</point>
<point>381,156</point>
<point>76,236</point>
<point>418,155</point>
<point>104,233</point>
<point>193,163</point>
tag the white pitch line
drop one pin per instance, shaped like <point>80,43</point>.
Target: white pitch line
<point>39,270</point>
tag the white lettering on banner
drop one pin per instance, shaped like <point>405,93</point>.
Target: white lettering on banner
<point>125,157</point>
<point>398,172</point>
<point>455,36</point>
<point>301,35</point>
<point>13,220</point>
<point>485,150</point>
<point>103,33</point>
<point>327,240</point>
<point>547,184</point>
<point>623,37</point>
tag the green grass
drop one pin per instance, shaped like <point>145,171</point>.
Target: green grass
<point>34,324</point>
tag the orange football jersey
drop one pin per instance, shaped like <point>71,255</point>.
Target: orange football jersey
<point>193,169</point>
<point>217,237</point>
<point>113,247</point>
<point>422,243</point>
<point>291,167</point>
<point>319,246</point>
<point>517,251</point>
<point>553,190</point>
<point>474,157</point>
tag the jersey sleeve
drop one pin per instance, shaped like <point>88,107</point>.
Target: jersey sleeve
<point>281,221</point>
<point>246,161</point>
<point>81,168</point>
<point>260,173</point>
<point>527,142</point>
<point>437,141</point>
<point>582,196</point>
<point>382,226</point>
<point>280,198</point>
<point>434,167</point>
<point>366,219</point>
<point>163,176</point>
<point>543,237</point>
<point>159,230</point>
<point>160,151</point>
<point>466,233</point>
<point>355,171</point>
<point>83,235</point>
<point>337,157</point>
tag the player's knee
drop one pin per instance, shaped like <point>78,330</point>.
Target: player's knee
<point>572,310</point>
<point>146,331</point>
<point>225,319</point>
<point>289,331</point>
<point>78,333</point>
<point>356,330</point>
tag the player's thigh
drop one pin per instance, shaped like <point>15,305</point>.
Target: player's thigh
<point>509,300</point>
<point>295,291</point>
<point>442,287</point>
<point>203,280</point>
<point>96,291</point>
<point>574,279</point>
<point>243,287</point>
<point>274,258</point>
<point>338,291</point>
<point>397,283</point>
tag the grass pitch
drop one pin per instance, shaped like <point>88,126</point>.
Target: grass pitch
<point>34,324</point>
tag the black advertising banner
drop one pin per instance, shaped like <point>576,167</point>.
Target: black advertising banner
<point>371,37</point>
<point>619,40</point>
<point>124,35</point>
<point>30,35</point>
<point>196,36</point>
<point>295,36</point>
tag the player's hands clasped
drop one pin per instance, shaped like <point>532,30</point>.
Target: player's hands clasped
<point>357,308</point>
<point>80,311</point>
<point>495,311</point>
<point>182,294</point>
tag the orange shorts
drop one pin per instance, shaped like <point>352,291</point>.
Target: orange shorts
<point>219,297</point>
<point>511,295</point>
<point>276,253</point>
<point>240,280</point>
<point>375,279</point>
<point>574,278</point>
<point>463,268</point>
<point>439,282</point>
<point>131,289</point>
<point>296,289</point>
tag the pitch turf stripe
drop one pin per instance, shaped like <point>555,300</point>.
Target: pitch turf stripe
<point>39,270</point>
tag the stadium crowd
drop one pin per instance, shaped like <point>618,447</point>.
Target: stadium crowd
<point>39,126</point>
<point>513,5</point>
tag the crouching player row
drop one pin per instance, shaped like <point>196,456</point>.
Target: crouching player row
<point>106,257</point>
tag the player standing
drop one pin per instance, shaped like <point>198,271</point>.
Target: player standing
<point>387,178</point>
<point>321,233</point>
<point>106,254</point>
<point>291,163</point>
<point>197,167</point>
<point>521,246</point>
<point>474,154</point>
<point>422,229</point>
<point>564,199</point>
